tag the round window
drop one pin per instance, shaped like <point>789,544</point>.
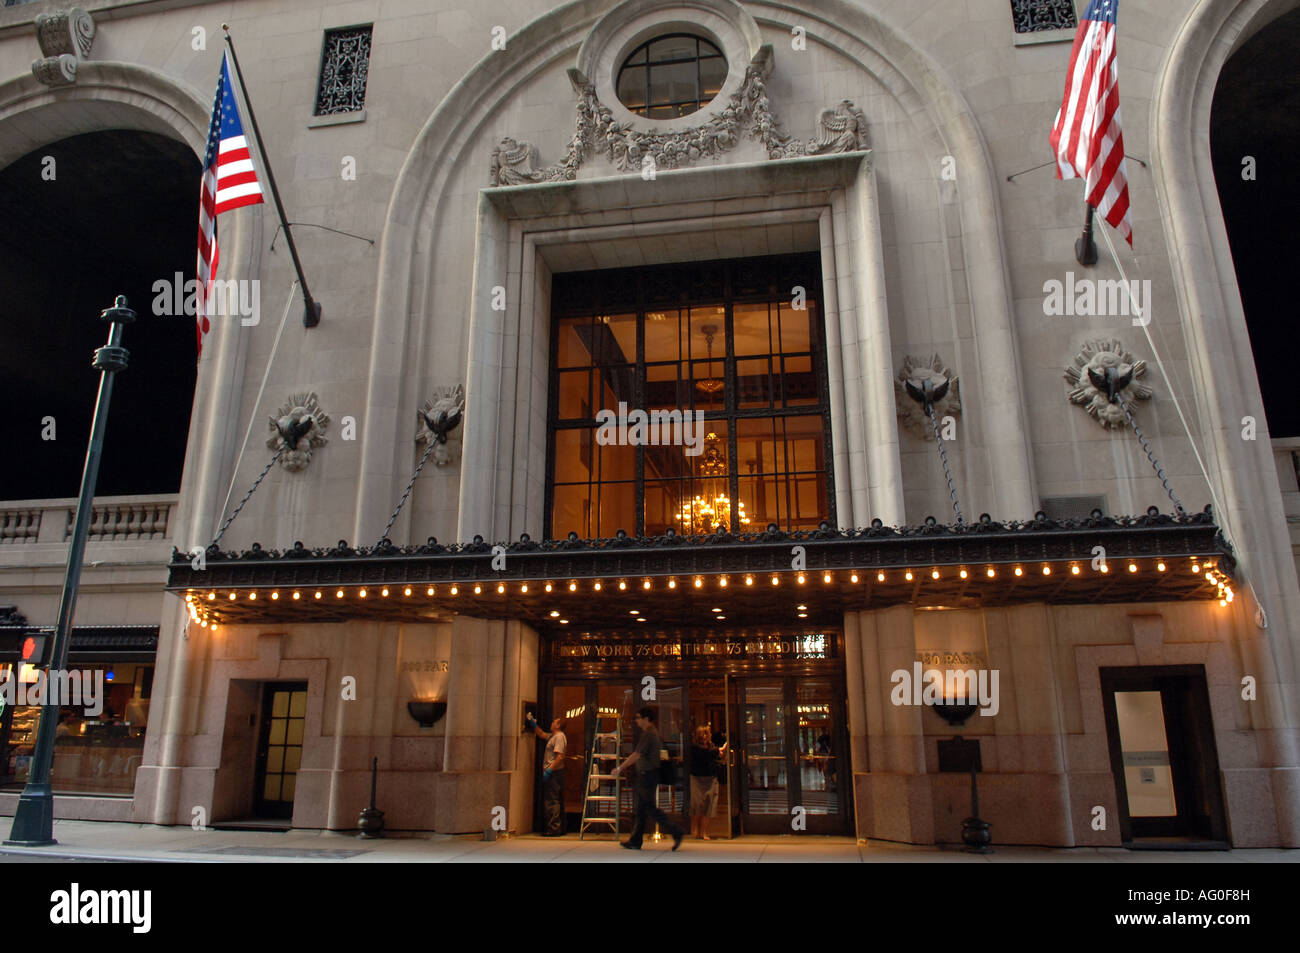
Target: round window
<point>671,76</point>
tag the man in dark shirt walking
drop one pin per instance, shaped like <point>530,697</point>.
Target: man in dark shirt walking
<point>646,759</point>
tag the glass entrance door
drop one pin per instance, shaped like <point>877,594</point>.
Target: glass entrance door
<point>790,738</point>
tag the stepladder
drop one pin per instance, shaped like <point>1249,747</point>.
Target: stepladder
<point>603,790</point>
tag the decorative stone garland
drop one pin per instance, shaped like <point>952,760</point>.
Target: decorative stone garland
<point>748,112</point>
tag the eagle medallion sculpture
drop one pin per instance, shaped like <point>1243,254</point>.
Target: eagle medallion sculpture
<point>298,429</point>
<point>439,416</point>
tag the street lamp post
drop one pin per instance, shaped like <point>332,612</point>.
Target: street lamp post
<point>34,818</point>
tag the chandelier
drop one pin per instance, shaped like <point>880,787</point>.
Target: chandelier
<point>710,385</point>
<point>707,511</point>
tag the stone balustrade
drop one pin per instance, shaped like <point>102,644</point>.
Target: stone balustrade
<point>113,518</point>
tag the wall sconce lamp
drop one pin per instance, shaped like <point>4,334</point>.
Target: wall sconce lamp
<point>426,713</point>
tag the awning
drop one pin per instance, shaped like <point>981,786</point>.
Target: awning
<point>766,578</point>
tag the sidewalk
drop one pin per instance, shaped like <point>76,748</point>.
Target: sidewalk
<point>139,842</point>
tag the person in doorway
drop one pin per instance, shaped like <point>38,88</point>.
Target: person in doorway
<point>646,759</point>
<point>552,775</point>
<point>705,758</point>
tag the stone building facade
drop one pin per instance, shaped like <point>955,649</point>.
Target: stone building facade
<point>496,161</point>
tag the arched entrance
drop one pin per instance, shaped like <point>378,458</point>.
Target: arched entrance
<point>103,213</point>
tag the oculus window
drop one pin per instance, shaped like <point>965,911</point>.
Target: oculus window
<point>671,76</point>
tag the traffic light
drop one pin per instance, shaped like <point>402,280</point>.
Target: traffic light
<point>35,650</point>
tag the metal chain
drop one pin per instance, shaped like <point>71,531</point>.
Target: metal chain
<point>943,456</point>
<point>261,476</point>
<point>1150,455</point>
<point>433,441</point>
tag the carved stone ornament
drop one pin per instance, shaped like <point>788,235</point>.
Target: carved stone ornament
<point>914,375</point>
<point>298,429</point>
<point>748,112</point>
<point>65,37</point>
<point>1088,378</point>
<point>440,415</point>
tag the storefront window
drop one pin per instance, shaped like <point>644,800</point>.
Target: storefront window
<point>95,751</point>
<point>689,397</point>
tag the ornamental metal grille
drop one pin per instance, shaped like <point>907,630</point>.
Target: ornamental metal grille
<point>1031,16</point>
<point>344,65</point>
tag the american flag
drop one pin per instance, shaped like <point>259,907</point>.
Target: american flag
<point>229,181</point>
<point>1086,136</point>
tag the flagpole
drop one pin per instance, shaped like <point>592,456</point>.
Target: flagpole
<point>311,317</point>
<point>1085,249</point>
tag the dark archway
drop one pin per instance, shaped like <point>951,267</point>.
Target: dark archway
<point>1256,114</point>
<point>120,213</point>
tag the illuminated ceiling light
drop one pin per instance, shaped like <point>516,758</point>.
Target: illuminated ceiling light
<point>1230,595</point>
<point>204,623</point>
<point>990,572</point>
<point>853,578</point>
<point>963,573</point>
<point>406,591</point>
<point>339,594</point>
<point>573,587</point>
<point>934,574</point>
<point>826,577</point>
<point>501,588</point>
<point>908,575</point>
<point>645,584</point>
<point>214,627</point>
<point>549,587</point>
<point>252,595</point>
<point>478,590</point>
<point>1196,567</point>
<point>1105,568</point>
<point>749,580</point>
<point>362,593</point>
<point>633,611</point>
<point>800,608</point>
<point>672,583</point>
<point>698,582</point>
<point>429,591</point>
<point>1019,571</point>
<point>1047,570</point>
<point>384,592</point>
<point>622,585</point>
<point>1074,569</point>
<point>803,615</point>
<point>1132,567</point>
<point>524,588</point>
<point>232,597</point>
<point>1223,602</point>
<point>317,593</point>
<point>800,578</point>
<point>597,585</point>
<point>555,613</point>
<point>211,596</point>
<point>297,596</point>
<point>455,590</point>
<point>722,581</point>
<point>721,617</point>
<point>880,577</point>
<point>275,595</point>
<point>1160,567</point>
<point>776,580</point>
<point>639,619</point>
<point>564,622</point>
